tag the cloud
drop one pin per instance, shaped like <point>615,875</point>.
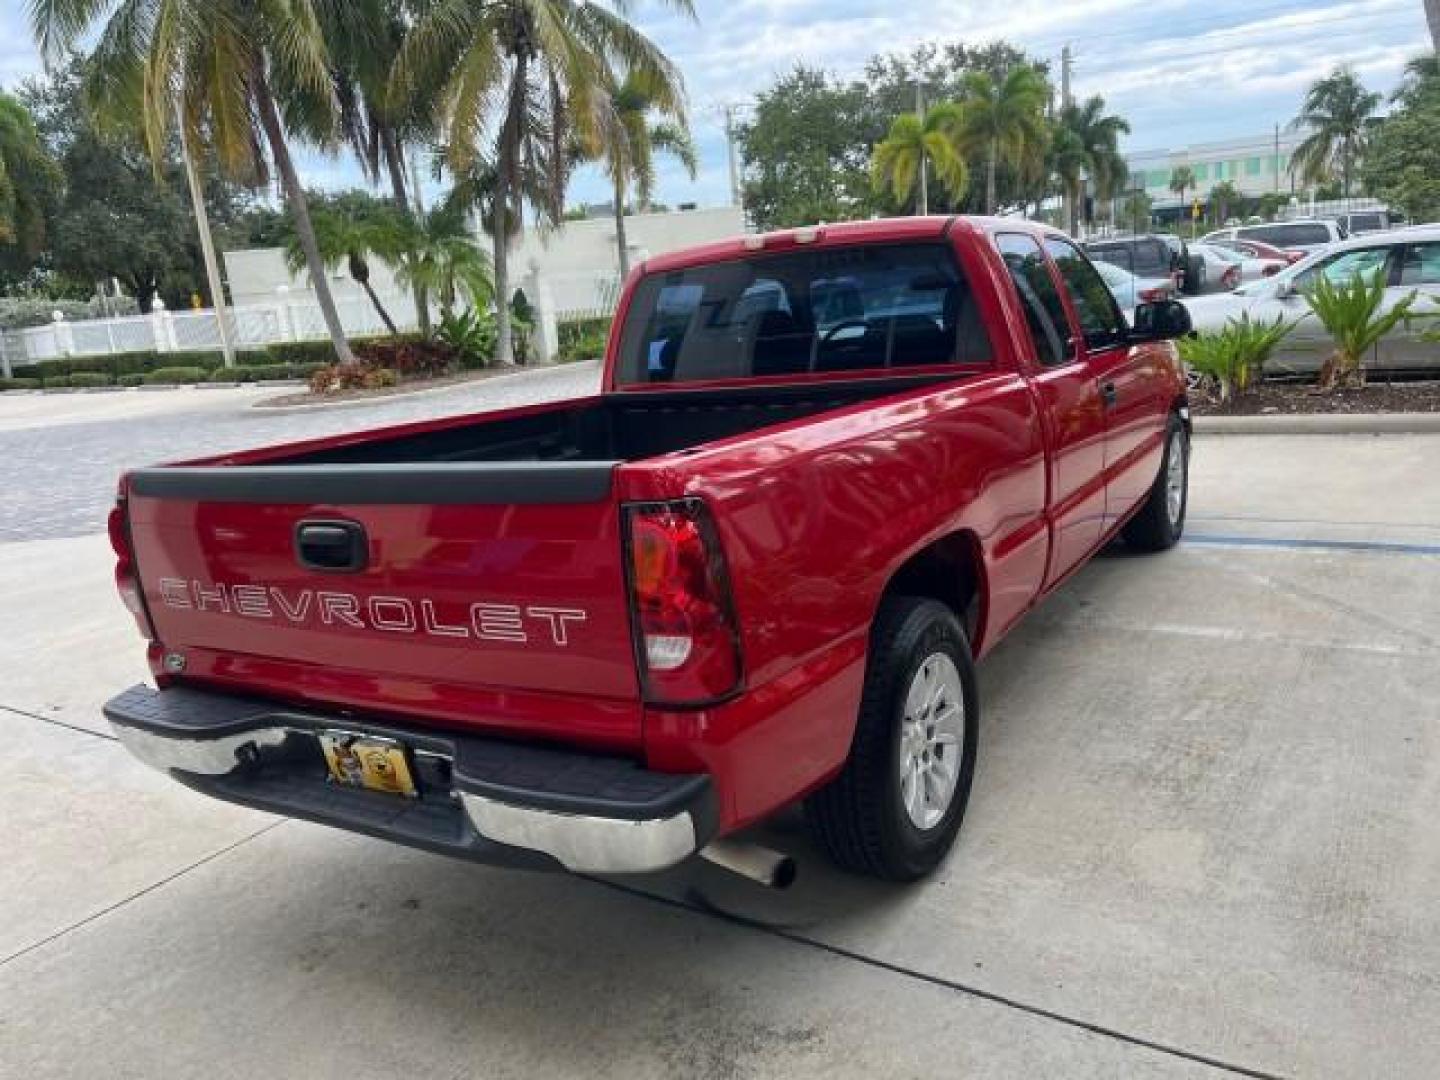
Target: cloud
<point>1181,71</point>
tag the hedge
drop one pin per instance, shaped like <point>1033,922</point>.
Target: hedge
<point>302,352</point>
<point>91,378</point>
<point>176,375</point>
<point>19,384</point>
<point>130,380</point>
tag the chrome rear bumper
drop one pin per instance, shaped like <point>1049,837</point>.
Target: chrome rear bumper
<point>480,799</point>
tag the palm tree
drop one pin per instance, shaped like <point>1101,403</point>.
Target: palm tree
<point>221,64</point>
<point>629,141</point>
<point>27,177</point>
<point>1339,113</point>
<point>1005,119</point>
<point>438,253</point>
<point>1432,18</point>
<point>1182,179</point>
<point>544,63</point>
<point>344,236</point>
<point>913,145</point>
<point>1068,161</point>
<point>1098,133</point>
<point>1224,197</point>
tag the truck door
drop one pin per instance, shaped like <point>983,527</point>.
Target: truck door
<point>1134,391</point>
<point>1070,406</point>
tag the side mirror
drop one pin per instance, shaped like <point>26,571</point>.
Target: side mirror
<point>1161,320</point>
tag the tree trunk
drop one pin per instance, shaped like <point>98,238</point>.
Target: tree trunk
<point>990,179</point>
<point>380,308</point>
<point>505,165</point>
<point>394,162</point>
<point>622,248</point>
<point>300,211</point>
<point>1432,17</point>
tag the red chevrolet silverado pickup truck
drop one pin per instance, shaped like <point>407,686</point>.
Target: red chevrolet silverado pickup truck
<point>827,470</point>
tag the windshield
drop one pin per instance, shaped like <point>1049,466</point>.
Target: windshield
<point>1338,268</point>
<point>1288,234</point>
<point>826,309</point>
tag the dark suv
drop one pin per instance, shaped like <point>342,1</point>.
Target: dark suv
<point>1153,255</point>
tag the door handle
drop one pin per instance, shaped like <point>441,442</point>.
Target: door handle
<point>331,546</point>
<point>1109,395</point>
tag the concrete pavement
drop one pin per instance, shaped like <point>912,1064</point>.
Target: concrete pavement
<point>1201,843</point>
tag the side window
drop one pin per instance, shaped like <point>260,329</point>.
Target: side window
<point>1420,264</point>
<point>1343,268</point>
<point>1100,318</point>
<point>1044,310</point>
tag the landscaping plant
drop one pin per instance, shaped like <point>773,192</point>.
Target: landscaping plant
<point>1236,356</point>
<point>471,334</point>
<point>1351,313</point>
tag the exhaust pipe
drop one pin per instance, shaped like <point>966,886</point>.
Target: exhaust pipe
<point>770,868</point>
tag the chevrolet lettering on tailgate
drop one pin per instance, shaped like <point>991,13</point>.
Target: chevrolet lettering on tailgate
<point>516,623</point>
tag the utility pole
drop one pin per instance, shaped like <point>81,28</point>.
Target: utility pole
<point>207,243</point>
<point>1277,159</point>
<point>735,194</point>
<point>920,112</point>
<point>1067,207</point>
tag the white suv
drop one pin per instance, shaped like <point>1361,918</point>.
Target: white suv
<point>1306,236</point>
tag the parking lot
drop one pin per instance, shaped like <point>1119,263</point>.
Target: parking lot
<point>1201,841</point>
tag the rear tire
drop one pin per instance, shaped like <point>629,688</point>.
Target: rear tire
<point>1161,520</point>
<point>896,807</point>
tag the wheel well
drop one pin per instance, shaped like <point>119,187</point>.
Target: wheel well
<point>949,570</point>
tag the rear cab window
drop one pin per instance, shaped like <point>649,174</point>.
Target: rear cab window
<point>1288,235</point>
<point>863,307</point>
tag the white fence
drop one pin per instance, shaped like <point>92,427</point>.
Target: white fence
<point>251,327</point>
<point>558,298</point>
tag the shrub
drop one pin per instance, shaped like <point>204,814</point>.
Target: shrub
<point>583,339</point>
<point>1236,356</point>
<point>357,376</point>
<point>133,379</point>
<point>56,382</point>
<point>19,383</point>
<point>408,357</point>
<point>175,375</point>
<point>301,352</point>
<point>471,336</point>
<point>1351,312</point>
<point>91,378</point>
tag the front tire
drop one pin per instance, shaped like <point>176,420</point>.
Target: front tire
<point>1161,520</point>
<point>896,807</point>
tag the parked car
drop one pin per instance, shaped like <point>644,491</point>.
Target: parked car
<point>1222,268</point>
<point>1360,222</point>
<point>1255,249</point>
<point>1131,291</point>
<point>1300,236</point>
<point>1234,268</point>
<point>606,634</point>
<point>1410,261</point>
<point>1152,255</point>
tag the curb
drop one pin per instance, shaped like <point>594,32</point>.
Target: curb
<point>1321,424</point>
<point>355,403</point>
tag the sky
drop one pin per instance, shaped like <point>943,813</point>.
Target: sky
<point>1180,71</point>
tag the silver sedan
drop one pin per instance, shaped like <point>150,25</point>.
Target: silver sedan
<point>1410,262</point>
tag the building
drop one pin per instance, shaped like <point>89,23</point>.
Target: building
<point>1255,166</point>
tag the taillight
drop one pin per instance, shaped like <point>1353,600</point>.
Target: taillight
<point>1270,270</point>
<point>126,582</point>
<point>1151,295</point>
<point>1230,278</point>
<point>686,635</point>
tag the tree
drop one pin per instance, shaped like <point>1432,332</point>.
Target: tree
<point>349,232</point>
<point>1225,197</point>
<point>229,67</point>
<point>1432,18</point>
<point>1135,211</point>
<point>1097,134</point>
<point>1182,179</point>
<point>915,143</point>
<point>805,152</point>
<point>437,253</point>
<point>28,177</point>
<point>1068,161</point>
<point>1339,113</point>
<point>629,140</point>
<point>1004,118</point>
<point>1402,162</point>
<point>544,63</point>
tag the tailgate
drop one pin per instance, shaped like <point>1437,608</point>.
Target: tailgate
<point>472,589</point>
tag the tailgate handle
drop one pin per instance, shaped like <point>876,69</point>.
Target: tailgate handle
<point>332,546</point>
